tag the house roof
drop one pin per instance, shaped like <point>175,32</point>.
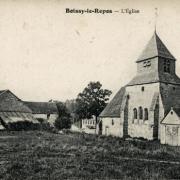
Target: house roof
<point>11,103</point>
<point>155,47</point>
<point>173,117</point>
<point>42,107</point>
<point>113,108</point>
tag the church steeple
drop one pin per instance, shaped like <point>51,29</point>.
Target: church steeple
<point>155,48</point>
<point>155,64</point>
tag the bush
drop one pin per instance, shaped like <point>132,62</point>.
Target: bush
<point>22,125</point>
<point>63,122</point>
<point>27,125</point>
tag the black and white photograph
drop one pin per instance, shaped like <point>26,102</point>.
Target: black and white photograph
<point>89,89</point>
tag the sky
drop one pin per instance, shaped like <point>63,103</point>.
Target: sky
<point>46,53</point>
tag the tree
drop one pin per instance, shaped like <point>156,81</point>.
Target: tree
<point>64,119</point>
<point>92,100</point>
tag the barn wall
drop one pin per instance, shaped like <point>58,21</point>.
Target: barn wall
<point>51,119</point>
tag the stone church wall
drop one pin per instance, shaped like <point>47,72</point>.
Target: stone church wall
<point>161,66</point>
<point>112,126</point>
<point>152,66</point>
<point>141,96</point>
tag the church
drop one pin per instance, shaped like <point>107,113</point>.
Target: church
<point>138,108</point>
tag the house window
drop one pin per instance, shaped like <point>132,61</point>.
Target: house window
<point>166,65</point>
<point>146,114</point>
<point>134,113</point>
<point>140,113</point>
<point>112,122</point>
<point>48,116</point>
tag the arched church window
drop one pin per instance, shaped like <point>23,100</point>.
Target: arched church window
<point>112,122</point>
<point>140,113</point>
<point>146,114</point>
<point>134,113</point>
<point>142,88</point>
<point>167,65</point>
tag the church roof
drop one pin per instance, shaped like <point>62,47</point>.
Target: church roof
<point>155,47</point>
<point>152,77</point>
<point>170,99</point>
<point>113,108</point>
<point>145,78</point>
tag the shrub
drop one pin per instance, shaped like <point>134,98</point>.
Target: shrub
<point>63,122</point>
<point>22,125</point>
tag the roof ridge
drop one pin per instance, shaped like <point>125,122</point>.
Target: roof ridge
<point>3,91</point>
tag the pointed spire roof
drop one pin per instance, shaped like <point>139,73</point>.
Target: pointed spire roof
<point>154,48</point>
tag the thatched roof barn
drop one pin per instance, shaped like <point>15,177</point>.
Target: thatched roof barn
<point>42,107</point>
<point>12,109</point>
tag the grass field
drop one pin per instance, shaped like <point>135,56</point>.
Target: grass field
<point>43,155</point>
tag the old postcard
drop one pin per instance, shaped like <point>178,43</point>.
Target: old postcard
<point>89,89</point>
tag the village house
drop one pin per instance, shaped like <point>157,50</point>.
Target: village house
<point>13,110</point>
<point>43,111</point>
<point>139,107</point>
<point>170,128</point>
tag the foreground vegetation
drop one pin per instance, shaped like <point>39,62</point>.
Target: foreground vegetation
<point>42,155</point>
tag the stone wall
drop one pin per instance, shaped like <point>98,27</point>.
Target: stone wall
<point>141,98</point>
<point>161,66</point>
<point>143,67</point>
<point>112,126</point>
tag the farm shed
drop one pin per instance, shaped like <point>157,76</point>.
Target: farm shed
<point>170,128</point>
<point>44,111</point>
<point>13,110</point>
